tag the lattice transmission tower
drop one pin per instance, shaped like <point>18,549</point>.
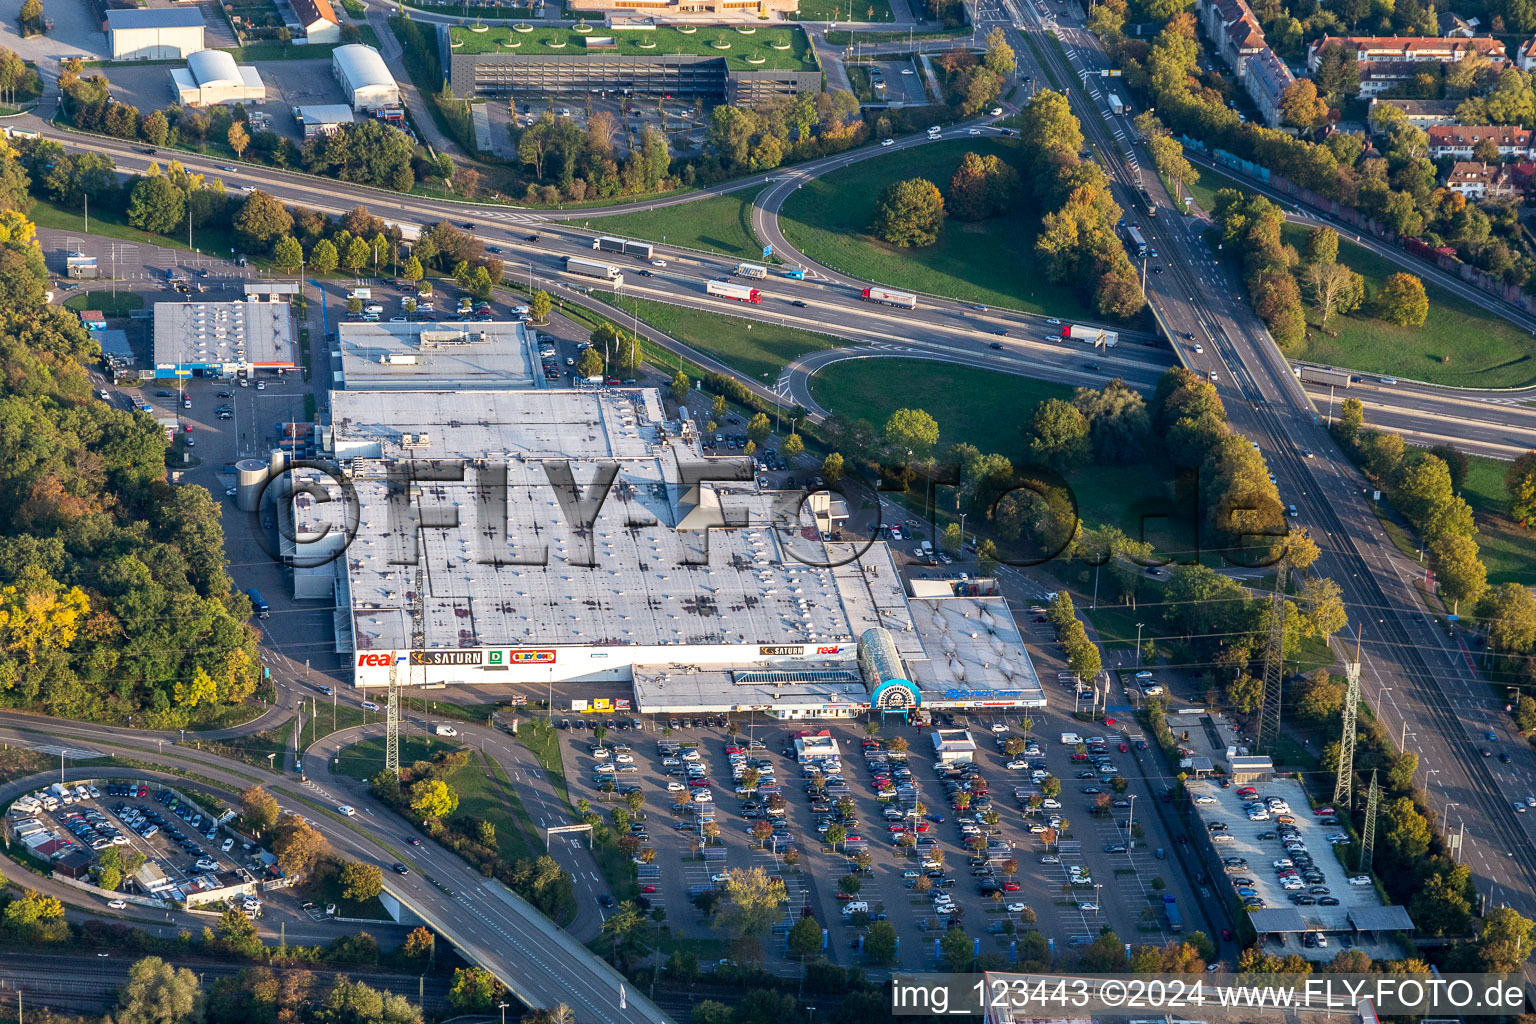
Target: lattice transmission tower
<point>1343,786</point>
<point>1274,664</point>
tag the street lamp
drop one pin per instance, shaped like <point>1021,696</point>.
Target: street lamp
<point>1138,644</point>
<point>1130,826</point>
<point>503,1008</point>
<point>810,1012</point>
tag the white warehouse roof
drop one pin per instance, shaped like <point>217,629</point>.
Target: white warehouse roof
<point>214,68</point>
<point>362,66</point>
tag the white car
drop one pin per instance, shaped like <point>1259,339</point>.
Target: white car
<point>117,904</point>
<point>888,142</point>
<point>658,263</point>
<point>996,112</point>
<point>1018,766</point>
<point>721,878</point>
<point>1223,837</point>
<point>1051,804</point>
<point>675,787</point>
<point>1360,880</point>
<point>974,131</point>
<point>1088,906</point>
<point>625,759</point>
<point>944,909</point>
<point>1050,858</point>
<point>348,810</point>
<point>1016,908</point>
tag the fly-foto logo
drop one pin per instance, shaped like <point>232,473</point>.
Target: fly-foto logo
<point>377,660</point>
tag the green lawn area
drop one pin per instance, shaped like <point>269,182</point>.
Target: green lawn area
<point>1508,550</point>
<point>544,742</point>
<point>842,37</point>
<point>988,410</point>
<point>992,261</point>
<point>480,796</point>
<point>1481,349</point>
<point>845,10</point>
<point>753,347</point>
<point>747,48</point>
<point>1485,351</point>
<point>110,305</point>
<point>720,224</point>
<point>110,224</point>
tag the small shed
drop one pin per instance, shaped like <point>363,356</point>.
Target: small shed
<point>75,864</point>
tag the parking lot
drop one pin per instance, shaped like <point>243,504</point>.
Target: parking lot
<point>173,833</point>
<point>906,820</point>
<point>1279,852</point>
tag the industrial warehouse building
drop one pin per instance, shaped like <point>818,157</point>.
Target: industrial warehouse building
<point>212,77</point>
<point>653,61</point>
<point>156,34</point>
<point>583,536</point>
<point>207,339</point>
<point>364,77</point>
<point>322,118</point>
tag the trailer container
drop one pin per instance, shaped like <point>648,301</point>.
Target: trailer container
<point>1092,335</point>
<point>1318,375</point>
<point>739,292</point>
<point>751,270</point>
<point>906,300</point>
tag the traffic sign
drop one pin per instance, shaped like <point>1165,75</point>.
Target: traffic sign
<point>768,250</point>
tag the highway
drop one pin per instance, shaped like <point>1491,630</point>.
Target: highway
<point>539,962</point>
<point>1413,671</point>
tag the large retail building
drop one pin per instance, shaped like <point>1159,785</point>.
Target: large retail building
<point>569,536</point>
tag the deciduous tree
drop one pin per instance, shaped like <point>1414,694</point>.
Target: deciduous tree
<point>1403,301</point>
<point>909,213</point>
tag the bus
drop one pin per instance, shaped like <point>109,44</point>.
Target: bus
<point>591,268</point>
<point>1137,241</point>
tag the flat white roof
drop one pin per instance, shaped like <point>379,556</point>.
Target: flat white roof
<point>683,687</point>
<point>972,645</point>
<point>510,566</point>
<point>450,356</point>
<point>325,113</point>
<point>224,334</point>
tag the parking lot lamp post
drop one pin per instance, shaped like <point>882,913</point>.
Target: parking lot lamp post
<point>1138,644</point>
<point>1130,826</point>
<point>810,1013</point>
<point>1096,887</point>
<point>503,1008</point>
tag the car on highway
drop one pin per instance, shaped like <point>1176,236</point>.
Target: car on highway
<point>117,904</point>
<point>1054,322</point>
<point>1002,331</point>
<point>888,142</point>
<point>658,263</point>
<point>415,840</point>
<point>646,273</point>
<point>468,225</point>
<point>227,170</point>
<point>493,248</point>
<point>347,809</point>
<point>798,304</point>
<point>401,869</point>
<point>996,346</point>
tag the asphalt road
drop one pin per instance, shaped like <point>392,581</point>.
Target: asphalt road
<point>1421,680</point>
<point>539,962</point>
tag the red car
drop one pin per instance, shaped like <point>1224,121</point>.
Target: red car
<point>1325,812</point>
<point>1125,748</point>
<point>845,896</point>
<point>896,828</point>
<point>188,428</point>
<point>922,826</point>
<point>699,783</point>
<point>1010,887</point>
<point>1079,757</point>
<point>647,889</point>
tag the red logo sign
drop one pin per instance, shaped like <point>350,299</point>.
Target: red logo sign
<point>828,650</point>
<point>375,660</point>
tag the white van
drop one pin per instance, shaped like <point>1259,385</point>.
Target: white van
<point>445,730</point>
<point>927,550</point>
<point>374,309</point>
<point>856,907</point>
<point>369,705</point>
<point>1070,739</point>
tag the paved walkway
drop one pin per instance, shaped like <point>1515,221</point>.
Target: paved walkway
<point>415,102</point>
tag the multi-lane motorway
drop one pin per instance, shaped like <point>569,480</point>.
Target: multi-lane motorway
<point>1412,670</point>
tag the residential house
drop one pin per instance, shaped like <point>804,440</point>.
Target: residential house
<point>1454,25</point>
<point>1424,114</point>
<point>1409,49</point>
<point>1233,28</point>
<point>318,20</point>
<point>1480,181</point>
<point>1458,140</point>
<point>1526,55</point>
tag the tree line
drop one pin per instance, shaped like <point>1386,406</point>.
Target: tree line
<point>424,793</point>
<point>1279,279</point>
<point>115,600</point>
<point>1393,182</point>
